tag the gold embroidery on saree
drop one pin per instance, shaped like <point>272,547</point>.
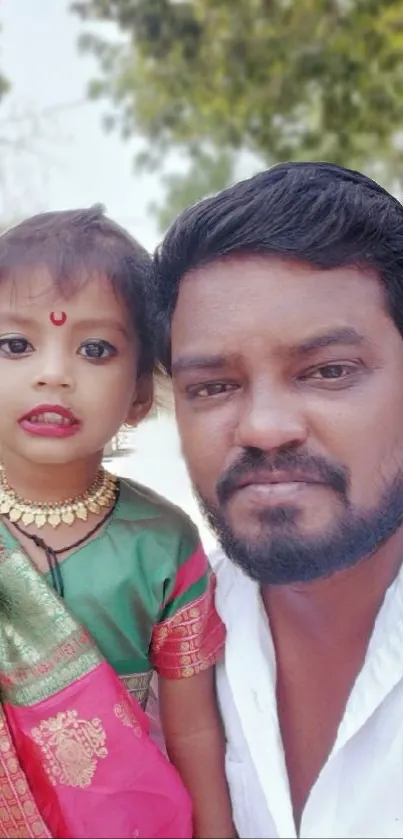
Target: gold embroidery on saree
<point>71,748</point>
<point>19,816</point>
<point>125,714</point>
<point>138,685</point>
<point>42,649</point>
<point>190,641</point>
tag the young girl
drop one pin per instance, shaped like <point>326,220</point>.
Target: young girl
<point>99,577</point>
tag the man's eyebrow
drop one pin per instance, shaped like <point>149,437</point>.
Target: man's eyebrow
<point>347,335</point>
<point>199,362</point>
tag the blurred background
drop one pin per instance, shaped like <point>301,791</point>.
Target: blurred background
<point>147,105</point>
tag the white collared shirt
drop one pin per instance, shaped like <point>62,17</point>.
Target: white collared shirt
<point>359,791</point>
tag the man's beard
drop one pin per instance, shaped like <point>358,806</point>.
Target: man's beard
<point>280,555</point>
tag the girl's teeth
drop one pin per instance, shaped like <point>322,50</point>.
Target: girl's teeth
<point>51,417</point>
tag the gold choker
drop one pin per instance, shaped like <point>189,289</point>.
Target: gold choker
<point>101,494</point>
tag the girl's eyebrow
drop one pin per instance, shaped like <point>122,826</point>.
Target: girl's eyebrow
<point>90,323</point>
<point>14,317</point>
<point>99,323</point>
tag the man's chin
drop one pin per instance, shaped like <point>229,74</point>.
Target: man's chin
<point>295,520</point>
<point>278,561</point>
<point>265,528</point>
<point>274,547</point>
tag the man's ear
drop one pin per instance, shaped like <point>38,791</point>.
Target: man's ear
<point>142,402</point>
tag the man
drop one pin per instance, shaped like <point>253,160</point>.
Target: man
<point>279,306</point>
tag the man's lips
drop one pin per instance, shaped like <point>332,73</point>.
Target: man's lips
<point>276,478</point>
<point>273,488</point>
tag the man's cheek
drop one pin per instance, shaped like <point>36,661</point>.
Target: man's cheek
<point>370,474</point>
<point>203,470</point>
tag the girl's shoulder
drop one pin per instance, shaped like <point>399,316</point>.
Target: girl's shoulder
<point>148,512</point>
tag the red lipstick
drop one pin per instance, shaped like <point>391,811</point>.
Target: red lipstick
<point>50,421</point>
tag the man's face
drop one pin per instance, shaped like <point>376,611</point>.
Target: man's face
<point>289,396</point>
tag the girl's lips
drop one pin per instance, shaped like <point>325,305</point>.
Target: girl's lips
<point>50,413</point>
<point>50,421</point>
<point>51,417</point>
<point>42,428</point>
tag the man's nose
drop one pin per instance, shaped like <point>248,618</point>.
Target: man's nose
<point>271,420</point>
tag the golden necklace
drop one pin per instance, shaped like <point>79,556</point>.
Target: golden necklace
<point>101,494</point>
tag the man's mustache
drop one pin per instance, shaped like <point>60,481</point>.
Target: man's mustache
<point>315,468</point>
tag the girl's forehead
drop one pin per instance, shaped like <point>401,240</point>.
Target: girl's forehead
<point>37,289</point>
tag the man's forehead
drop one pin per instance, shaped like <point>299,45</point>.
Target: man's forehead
<point>275,269</point>
<point>282,301</point>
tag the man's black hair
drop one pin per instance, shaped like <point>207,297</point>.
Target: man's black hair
<point>316,213</point>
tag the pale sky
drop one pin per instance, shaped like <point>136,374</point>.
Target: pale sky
<point>71,162</point>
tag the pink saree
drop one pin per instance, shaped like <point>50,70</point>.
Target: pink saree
<point>76,760</point>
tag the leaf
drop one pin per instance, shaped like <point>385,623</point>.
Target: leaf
<point>275,78</point>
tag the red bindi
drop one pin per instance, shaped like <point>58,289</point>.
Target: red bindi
<point>58,320</point>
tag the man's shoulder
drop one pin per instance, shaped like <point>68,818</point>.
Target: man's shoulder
<point>231,582</point>
<point>217,558</point>
<point>223,567</point>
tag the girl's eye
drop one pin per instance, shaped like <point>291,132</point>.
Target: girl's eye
<point>97,350</point>
<point>15,347</point>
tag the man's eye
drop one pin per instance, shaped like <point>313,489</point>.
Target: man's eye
<point>97,350</point>
<point>333,371</point>
<point>338,373</point>
<point>15,346</point>
<point>210,389</point>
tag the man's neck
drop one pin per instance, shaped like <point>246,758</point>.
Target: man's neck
<point>339,610</point>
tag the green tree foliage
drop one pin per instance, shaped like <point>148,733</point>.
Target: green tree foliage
<point>280,79</point>
<point>4,84</point>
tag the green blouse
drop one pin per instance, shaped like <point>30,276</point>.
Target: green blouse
<point>143,590</point>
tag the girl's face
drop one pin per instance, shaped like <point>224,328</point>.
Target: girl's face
<point>68,370</point>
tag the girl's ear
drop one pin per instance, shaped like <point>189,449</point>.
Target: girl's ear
<point>142,402</point>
